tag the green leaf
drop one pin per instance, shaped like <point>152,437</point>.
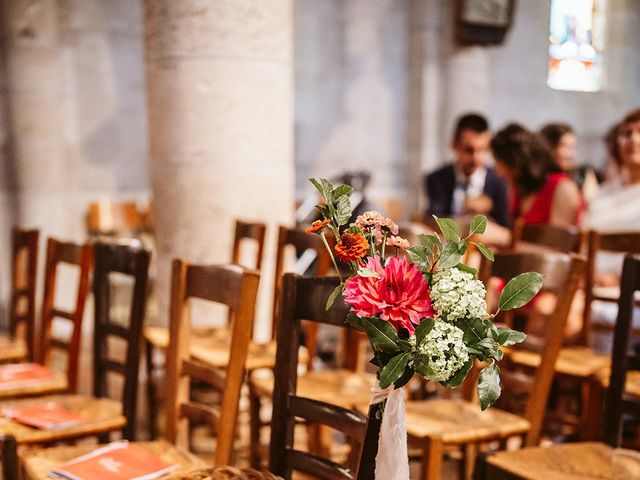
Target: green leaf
<point>520,290</point>
<point>508,337</point>
<point>489,386</point>
<point>431,244</point>
<point>459,376</point>
<point>327,188</point>
<point>450,229</point>
<point>343,210</point>
<point>478,225</point>
<point>316,183</point>
<point>417,254</point>
<point>368,273</point>
<point>337,291</point>
<point>421,365</point>
<point>497,354</point>
<point>341,190</point>
<point>382,335</point>
<point>406,376</point>
<point>405,345</point>
<point>450,256</point>
<point>393,370</point>
<point>423,329</point>
<point>354,321</point>
<point>484,250</point>
<point>467,268</point>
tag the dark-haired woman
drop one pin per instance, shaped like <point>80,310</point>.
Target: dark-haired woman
<point>541,192</point>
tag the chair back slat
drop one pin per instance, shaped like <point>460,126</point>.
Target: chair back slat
<point>235,287</point>
<point>621,242</point>
<point>620,361</point>
<point>82,257</point>
<point>562,274</point>
<point>134,263</point>
<point>562,239</point>
<point>24,263</point>
<point>249,231</point>
<point>304,299</point>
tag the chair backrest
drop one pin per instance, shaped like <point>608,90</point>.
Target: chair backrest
<point>72,254</point>
<point>622,359</point>
<point>107,217</point>
<point>134,263</point>
<point>622,242</point>
<point>248,231</point>
<point>24,263</point>
<point>229,285</point>
<point>304,299</point>
<point>562,239</point>
<point>527,390</point>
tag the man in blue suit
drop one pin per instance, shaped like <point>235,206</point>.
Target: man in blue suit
<point>468,186</point>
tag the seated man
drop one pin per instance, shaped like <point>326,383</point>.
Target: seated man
<point>467,186</point>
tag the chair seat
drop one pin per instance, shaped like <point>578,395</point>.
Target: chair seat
<point>632,385</point>
<point>12,349</point>
<point>338,387</point>
<point>56,384</point>
<point>38,463</point>
<point>581,362</point>
<point>102,415</point>
<point>459,421</point>
<point>576,461</point>
<point>158,337</point>
<point>225,473</point>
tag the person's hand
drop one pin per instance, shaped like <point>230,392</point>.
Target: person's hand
<point>481,204</point>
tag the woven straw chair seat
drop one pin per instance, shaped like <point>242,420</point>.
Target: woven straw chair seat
<point>38,463</point>
<point>225,473</point>
<point>632,385</point>
<point>460,422</point>
<point>566,462</point>
<point>102,415</point>
<point>12,349</point>
<point>338,387</point>
<point>579,362</point>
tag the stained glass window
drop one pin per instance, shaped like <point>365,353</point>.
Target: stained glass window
<point>576,45</point>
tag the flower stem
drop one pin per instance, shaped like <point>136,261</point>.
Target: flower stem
<point>384,246</point>
<point>333,259</point>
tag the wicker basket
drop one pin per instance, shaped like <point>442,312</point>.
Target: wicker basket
<point>226,473</point>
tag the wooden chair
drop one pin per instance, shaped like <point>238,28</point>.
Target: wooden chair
<point>102,414</point>
<point>304,299</point>
<point>588,459</point>
<point>229,285</point>
<point>622,242</point>
<point>59,253</point>
<point>110,218</point>
<point>461,423</point>
<point>157,337</point>
<point>561,239</point>
<point>18,344</point>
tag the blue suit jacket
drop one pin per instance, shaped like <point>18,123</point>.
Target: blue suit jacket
<point>441,184</point>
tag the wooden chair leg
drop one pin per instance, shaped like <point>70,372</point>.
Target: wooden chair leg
<point>152,396</point>
<point>254,426</point>
<point>590,410</point>
<point>469,454</point>
<point>433,451</point>
<point>9,456</point>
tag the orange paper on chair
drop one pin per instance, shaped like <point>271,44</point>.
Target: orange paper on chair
<point>45,415</point>
<point>16,375</point>
<point>117,461</point>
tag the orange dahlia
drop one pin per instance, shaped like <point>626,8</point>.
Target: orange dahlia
<point>352,247</point>
<point>317,226</point>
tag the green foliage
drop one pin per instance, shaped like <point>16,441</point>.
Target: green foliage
<point>393,370</point>
<point>332,298</point>
<point>449,228</point>
<point>520,290</point>
<point>459,376</point>
<point>484,250</point>
<point>368,273</point>
<point>478,225</point>
<point>423,329</point>
<point>489,385</point>
<point>452,254</point>
<point>382,335</point>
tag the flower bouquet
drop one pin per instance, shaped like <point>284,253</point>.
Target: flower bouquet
<point>423,310</point>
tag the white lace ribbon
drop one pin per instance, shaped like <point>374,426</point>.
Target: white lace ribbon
<point>392,460</point>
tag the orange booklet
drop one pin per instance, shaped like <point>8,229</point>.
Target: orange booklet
<point>117,461</point>
<point>49,416</point>
<point>16,375</point>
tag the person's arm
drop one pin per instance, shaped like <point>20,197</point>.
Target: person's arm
<point>566,204</point>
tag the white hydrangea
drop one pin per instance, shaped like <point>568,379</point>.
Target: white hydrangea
<point>444,352</point>
<point>456,294</point>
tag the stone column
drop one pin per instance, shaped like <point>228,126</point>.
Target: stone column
<point>37,160</point>
<point>220,96</point>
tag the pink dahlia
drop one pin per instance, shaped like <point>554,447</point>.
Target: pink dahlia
<point>400,295</point>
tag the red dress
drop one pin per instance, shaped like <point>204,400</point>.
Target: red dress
<point>540,211</point>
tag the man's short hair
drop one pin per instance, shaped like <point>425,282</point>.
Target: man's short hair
<point>470,121</point>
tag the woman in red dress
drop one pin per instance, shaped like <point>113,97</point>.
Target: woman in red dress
<point>541,193</point>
